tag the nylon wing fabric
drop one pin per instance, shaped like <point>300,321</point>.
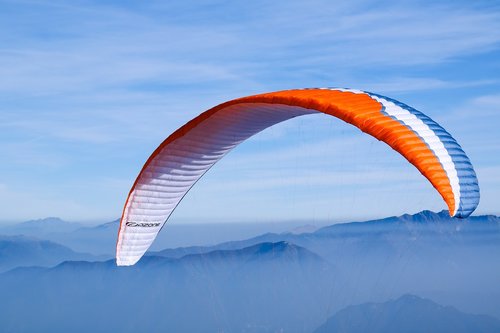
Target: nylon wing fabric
<point>185,156</point>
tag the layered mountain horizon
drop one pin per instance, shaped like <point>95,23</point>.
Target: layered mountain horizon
<point>284,281</point>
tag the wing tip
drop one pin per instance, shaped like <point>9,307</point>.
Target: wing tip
<point>462,214</point>
<point>126,261</point>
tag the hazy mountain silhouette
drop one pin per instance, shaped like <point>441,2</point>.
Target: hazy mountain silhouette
<point>254,289</point>
<point>453,261</point>
<point>101,239</point>
<point>98,240</point>
<point>421,224</point>
<point>40,227</point>
<point>18,251</point>
<point>409,314</point>
<point>288,281</point>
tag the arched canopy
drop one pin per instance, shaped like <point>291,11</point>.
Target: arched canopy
<point>183,158</point>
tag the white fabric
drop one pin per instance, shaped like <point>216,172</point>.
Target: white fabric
<point>170,175</point>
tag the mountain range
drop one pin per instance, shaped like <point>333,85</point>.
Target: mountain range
<point>16,251</point>
<point>255,289</point>
<point>290,281</point>
<point>101,239</point>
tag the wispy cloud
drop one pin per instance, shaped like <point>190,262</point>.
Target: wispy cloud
<point>413,84</point>
<point>478,120</point>
<point>35,204</point>
<point>113,46</point>
<point>481,107</point>
<point>90,88</point>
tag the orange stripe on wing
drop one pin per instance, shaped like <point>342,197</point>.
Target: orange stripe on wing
<point>365,113</point>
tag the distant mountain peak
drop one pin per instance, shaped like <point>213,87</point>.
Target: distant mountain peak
<point>20,250</point>
<point>427,215</point>
<point>423,219</point>
<point>413,299</point>
<point>113,224</point>
<point>409,313</point>
<point>41,227</point>
<point>48,222</point>
<point>50,219</point>
<point>264,250</point>
<point>274,248</point>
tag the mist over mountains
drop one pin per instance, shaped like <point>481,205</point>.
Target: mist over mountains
<point>428,254</point>
<point>290,281</point>
<point>41,227</point>
<point>17,251</point>
<point>101,239</point>
<point>409,314</point>
<point>253,289</point>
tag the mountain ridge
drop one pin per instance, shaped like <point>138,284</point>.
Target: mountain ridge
<point>390,224</point>
<point>42,226</point>
<point>19,250</point>
<point>191,294</point>
<point>409,314</point>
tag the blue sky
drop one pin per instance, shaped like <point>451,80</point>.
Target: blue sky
<point>89,89</point>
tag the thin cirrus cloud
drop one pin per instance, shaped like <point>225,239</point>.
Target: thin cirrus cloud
<point>139,48</point>
<point>412,84</point>
<point>92,88</point>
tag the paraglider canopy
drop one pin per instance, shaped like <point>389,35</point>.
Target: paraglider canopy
<point>183,158</point>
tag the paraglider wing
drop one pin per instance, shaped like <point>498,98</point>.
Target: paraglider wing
<point>189,152</point>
